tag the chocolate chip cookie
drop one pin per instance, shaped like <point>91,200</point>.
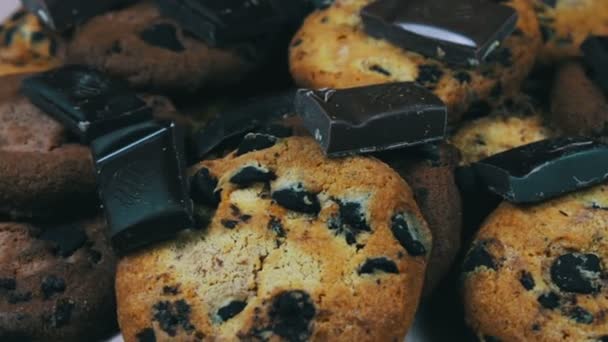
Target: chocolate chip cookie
<point>539,273</point>
<point>332,50</point>
<point>56,282</point>
<point>299,247</point>
<point>565,24</point>
<point>150,51</point>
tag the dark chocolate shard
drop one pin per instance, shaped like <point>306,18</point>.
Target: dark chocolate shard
<point>458,31</point>
<point>142,184</point>
<point>577,273</point>
<point>66,239</point>
<point>297,198</point>
<point>478,256</point>
<point>291,315</point>
<point>60,15</point>
<point>527,280</point>
<point>374,265</point>
<point>372,118</point>
<point>595,51</point>
<point>203,188</point>
<point>88,102</point>
<point>252,174</point>
<point>232,309</point>
<point>349,222</point>
<point>544,169</point>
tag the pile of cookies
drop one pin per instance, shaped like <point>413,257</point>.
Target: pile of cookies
<point>303,170</point>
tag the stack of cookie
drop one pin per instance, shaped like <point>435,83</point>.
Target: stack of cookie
<point>161,172</point>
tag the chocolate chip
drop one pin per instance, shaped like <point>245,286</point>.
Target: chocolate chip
<point>255,142</point>
<point>172,315</point>
<point>580,315</point>
<point>51,285</point>
<point>297,199</point>
<point>232,309</point>
<point>429,74</point>
<point>146,335</point>
<point>163,36</point>
<point>463,77</point>
<point>8,36</point>
<point>276,226</point>
<point>19,297</point>
<point>407,236</point>
<point>202,188</point>
<point>62,313</point>
<point>549,300</point>
<point>378,265</point>
<point>291,314</point>
<point>37,37</point>
<point>252,174</point>
<point>170,290</point>
<point>478,257</point>
<point>8,283</point>
<point>526,280</point>
<point>380,70</point>
<point>67,239</point>
<point>230,224</point>
<point>349,222</point>
<point>576,272</point>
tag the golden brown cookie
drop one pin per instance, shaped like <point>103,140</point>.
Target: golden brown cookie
<point>539,273</point>
<point>300,247</point>
<point>332,50</point>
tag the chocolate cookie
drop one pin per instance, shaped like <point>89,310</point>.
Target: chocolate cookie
<point>538,273</point>
<point>300,247</point>
<point>578,105</point>
<point>56,282</point>
<point>332,50</point>
<point>151,51</point>
<point>430,172</point>
<point>565,24</point>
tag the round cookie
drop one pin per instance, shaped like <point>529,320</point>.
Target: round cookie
<point>150,51</point>
<point>25,46</point>
<point>56,282</point>
<point>301,247</point>
<point>539,273</point>
<point>332,50</point>
<point>565,24</point>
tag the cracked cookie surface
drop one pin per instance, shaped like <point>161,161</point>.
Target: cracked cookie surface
<point>300,247</point>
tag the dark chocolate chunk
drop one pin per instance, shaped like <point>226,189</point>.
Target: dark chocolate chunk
<point>549,300</point>
<point>163,35</point>
<point>380,70</point>
<point>255,142</point>
<point>463,77</point>
<point>544,169</point>
<point>349,222</point>
<point>378,265</point>
<point>372,118</point>
<point>203,188</point>
<point>172,315</point>
<point>8,284</point>
<point>276,226</point>
<point>85,100</point>
<point>429,74</point>
<point>19,297</point>
<point>457,31</point>
<point>146,335</point>
<point>60,15</point>
<point>51,285</point>
<point>142,184</point>
<point>291,314</point>
<point>230,224</point>
<point>66,239</point>
<point>171,290</point>
<point>595,51</point>
<point>298,199</point>
<point>526,280</point>
<point>242,118</point>
<point>407,235</point>
<point>478,256</point>
<point>580,315</point>
<point>576,272</point>
<point>232,309</point>
<point>252,174</point>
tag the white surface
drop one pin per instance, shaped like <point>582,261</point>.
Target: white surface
<point>416,335</point>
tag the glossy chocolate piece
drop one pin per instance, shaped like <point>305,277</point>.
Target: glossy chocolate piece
<point>545,169</point>
<point>88,102</point>
<point>60,15</point>
<point>595,51</point>
<point>142,184</point>
<point>372,118</point>
<point>457,31</point>
<point>242,118</point>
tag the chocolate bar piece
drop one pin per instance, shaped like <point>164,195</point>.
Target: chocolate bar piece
<point>544,169</point>
<point>142,184</point>
<point>372,118</point>
<point>85,100</point>
<point>60,15</point>
<point>457,31</point>
<point>218,22</point>
<point>595,50</point>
